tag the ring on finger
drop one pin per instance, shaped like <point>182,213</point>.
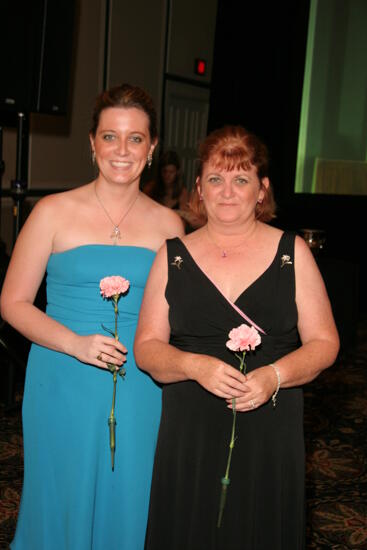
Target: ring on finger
<point>99,357</point>
<point>253,404</point>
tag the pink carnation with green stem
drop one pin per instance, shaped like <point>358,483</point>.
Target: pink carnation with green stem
<point>242,338</point>
<point>112,288</point>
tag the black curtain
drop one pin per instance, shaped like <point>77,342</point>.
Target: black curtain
<point>257,81</point>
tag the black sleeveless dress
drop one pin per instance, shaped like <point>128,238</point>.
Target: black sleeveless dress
<point>265,499</point>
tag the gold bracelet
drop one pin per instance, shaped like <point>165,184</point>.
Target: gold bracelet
<point>274,396</point>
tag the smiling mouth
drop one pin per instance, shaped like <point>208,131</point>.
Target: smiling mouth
<point>120,164</point>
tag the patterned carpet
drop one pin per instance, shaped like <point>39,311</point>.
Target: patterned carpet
<point>336,444</point>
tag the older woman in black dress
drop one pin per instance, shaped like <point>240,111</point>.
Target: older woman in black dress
<point>235,270</point>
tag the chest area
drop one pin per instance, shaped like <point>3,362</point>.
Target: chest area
<point>232,274</point>
<point>265,295</point>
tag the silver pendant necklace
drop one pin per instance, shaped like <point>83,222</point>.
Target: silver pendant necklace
<point>116,233</point>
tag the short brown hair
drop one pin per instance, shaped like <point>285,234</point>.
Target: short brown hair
<point>128,97</point>
<point>230,148</point>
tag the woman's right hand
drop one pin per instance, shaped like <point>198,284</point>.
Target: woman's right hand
<point>218,377</point>
<point>98,350</point>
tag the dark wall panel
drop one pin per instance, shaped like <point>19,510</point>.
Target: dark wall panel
<point>36,43</point>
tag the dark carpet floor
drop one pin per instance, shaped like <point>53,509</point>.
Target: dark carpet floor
<point>336,445</point>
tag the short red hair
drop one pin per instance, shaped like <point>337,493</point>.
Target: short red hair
<point>234,148</point>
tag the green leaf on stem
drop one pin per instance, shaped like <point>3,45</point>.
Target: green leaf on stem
<point>111,367</point>
<point>108,330</point>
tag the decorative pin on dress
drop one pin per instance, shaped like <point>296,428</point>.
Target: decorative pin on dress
<point>285,260</point>
<point>177,262</point>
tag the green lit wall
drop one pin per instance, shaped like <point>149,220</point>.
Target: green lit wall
<point>332,146</point>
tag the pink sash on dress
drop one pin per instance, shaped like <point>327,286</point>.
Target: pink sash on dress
<point>236,307</point>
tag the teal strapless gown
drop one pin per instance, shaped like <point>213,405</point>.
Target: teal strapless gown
<point>71,499</point>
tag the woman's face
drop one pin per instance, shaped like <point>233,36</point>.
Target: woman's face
<point>169,174</point>
<point>122,144</point>
<point>231,196</point>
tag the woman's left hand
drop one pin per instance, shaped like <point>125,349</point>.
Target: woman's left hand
<point>261,383</point>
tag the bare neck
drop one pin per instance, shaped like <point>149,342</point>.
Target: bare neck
<point>115,193</point>
<point>228,234</point>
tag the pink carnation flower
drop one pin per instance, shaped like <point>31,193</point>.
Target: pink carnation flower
<point>113,286</point>
<point>243,338</point>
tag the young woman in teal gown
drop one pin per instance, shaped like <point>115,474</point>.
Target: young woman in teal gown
<point>71,498</point>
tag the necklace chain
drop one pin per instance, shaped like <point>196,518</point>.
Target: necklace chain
<point>223,251</point>
<point>116,233</point>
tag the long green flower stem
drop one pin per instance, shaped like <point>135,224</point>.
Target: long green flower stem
<point>112,419</point>
<point>112,423</point>
<point>115,300</point>
<point>225,481</point>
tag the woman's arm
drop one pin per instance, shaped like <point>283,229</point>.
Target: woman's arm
<point>317,330</point>
<point>316,326</point>
<point>163,361</point>
<point>24,276</point>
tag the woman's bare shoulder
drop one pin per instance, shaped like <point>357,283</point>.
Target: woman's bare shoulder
<point>160,216</point>
<point>303,255</point>
<point>194,236</point>
<point>270,232</point>
<point>54,201</point>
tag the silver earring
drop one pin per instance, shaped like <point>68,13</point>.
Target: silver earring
<point>149,160</point>
<point>93,156</point>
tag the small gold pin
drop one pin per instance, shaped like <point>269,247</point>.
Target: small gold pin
<point>286,260</point>
<point>177,262</point>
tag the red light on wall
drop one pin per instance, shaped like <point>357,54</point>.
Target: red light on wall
<point>200,66</point>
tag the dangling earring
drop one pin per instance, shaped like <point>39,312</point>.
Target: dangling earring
<point>149,160</point>
<point>93,156</point>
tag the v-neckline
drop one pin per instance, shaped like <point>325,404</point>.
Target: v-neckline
<point>216,287</point>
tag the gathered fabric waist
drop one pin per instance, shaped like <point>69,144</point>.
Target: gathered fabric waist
<point>93,321</point>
